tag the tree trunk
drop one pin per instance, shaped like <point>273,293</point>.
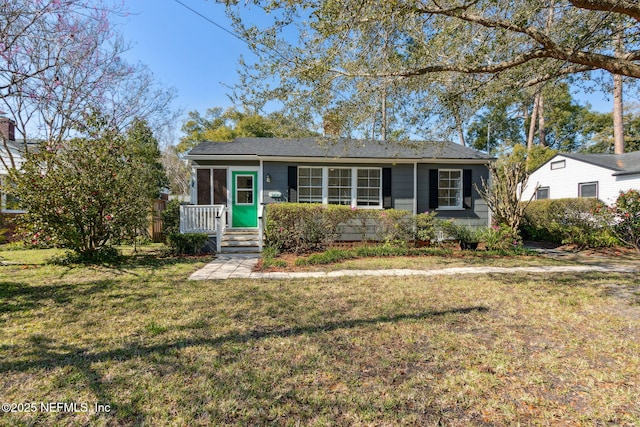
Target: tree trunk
<point>383,124</point>
<point>459,128</point>
<point>534,118</point>
<point>542,134</point>
<point>618,123</point>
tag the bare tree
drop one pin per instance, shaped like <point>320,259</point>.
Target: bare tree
<point>509,178</point>
<point>62,59</point>
<point>177,170</point>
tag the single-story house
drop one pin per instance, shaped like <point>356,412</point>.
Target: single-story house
<point>602,176</point>
<point>233,181</point>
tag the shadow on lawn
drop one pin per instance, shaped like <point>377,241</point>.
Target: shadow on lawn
<point>17,296</point>
<point>45,354</point>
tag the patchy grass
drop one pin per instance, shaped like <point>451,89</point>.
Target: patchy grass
<point>160,350</point>
<point>419,259</point>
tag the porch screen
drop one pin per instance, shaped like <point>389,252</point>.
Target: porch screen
<point>203,178</point>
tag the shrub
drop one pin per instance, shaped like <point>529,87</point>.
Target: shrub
<point>461,232</point>
<point>569,221</point>
<point>171,217</point>
<point>394,226</point>
<point>501,238</point>
<point>35,234</point>
<point>425,226</point>
<point>625,218</point>
<point>103,255</point>
<point>187,244</point>
<point>300,228</point>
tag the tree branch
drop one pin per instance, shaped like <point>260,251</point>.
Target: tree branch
<point>630,8</point>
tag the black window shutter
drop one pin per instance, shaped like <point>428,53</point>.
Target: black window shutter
<point>466,189</point>
<point>433,188</point>
<point>387,202</point>
<point>293,184</point>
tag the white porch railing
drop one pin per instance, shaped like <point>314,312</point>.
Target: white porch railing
<point>202,219</point>
<point>261,224</point>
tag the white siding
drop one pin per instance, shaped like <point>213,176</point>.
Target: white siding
<point>17,158</point>
<point>563,183</point>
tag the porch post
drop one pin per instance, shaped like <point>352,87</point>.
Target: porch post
<point>219,215</point>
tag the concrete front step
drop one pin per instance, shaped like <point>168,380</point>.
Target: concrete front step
<point>240,241</point>
<point>239,250</point>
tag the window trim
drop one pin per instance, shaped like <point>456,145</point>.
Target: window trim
<point>354,185</point>
<point>460,206</point>
<point>340,186</point>
<point>250,189</point>
<point>357,187</point>
<point>558,164</point>
<point>548,193</point>
<point>300,187</point>
<point>581,184</point>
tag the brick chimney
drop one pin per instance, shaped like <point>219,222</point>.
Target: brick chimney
<point>333,124</point>
<point>7,129</point>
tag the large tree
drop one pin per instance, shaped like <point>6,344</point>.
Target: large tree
<point>602,140</point>
<point>507,120</point>
<point>349,52</point>
<point>226,125</point>
<point>60,59</point>
<point>92,190</point>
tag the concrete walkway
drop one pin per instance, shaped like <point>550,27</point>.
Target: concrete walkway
<point>240,266</point>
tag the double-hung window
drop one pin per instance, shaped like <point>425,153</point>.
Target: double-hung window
<point>310,185</point>
<point>449,189</point>
<point>339,187</point>
<point>369,187</point>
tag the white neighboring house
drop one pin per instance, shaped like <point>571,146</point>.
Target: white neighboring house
<point>8,144</point>
<point>602,176</point>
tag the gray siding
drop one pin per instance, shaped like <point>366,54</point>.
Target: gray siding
<point>279,180</point>
<point>478,215</point>
<point>402,187</point>
<point>401,181</point>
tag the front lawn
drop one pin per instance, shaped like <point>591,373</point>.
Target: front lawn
<point>157,349</point>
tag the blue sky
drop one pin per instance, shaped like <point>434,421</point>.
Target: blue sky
<point>185,51</point>
<point>200,60</point>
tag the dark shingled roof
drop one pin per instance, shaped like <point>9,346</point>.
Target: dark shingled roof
<point>337,148</point>
<point>622,164</point>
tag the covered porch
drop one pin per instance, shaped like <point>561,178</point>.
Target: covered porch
<point>213,221</point>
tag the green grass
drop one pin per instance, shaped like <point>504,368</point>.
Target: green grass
<point>160,350</point>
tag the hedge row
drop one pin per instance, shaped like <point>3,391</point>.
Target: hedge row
<point>567,221</point>
<point>300,228</point>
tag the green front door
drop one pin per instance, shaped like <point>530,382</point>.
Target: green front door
<point>244,203</point>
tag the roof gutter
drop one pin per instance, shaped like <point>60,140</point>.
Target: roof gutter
<point>256,157</point>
